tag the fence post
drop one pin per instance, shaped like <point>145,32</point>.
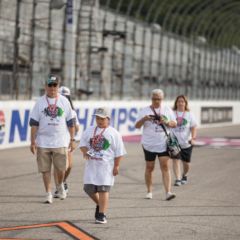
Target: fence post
<point>16,52</point>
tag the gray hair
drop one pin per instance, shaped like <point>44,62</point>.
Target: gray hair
<point>157,91</point>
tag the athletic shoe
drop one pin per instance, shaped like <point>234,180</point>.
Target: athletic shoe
<point>56,194</point>
<point>170,196</point>
<point>149,195</point>
<point>184,180</point>
<point>96,211</point>
<point>65,187</point>
<point>178,183</point>
<point>61,192</point>
<point>101,218</point>
<point>48,198</point>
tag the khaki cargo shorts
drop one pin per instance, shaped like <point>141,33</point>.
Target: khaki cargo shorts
<point>48,156</point>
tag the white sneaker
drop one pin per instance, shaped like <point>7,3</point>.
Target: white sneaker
<point>62,194</point>
<point>65,186</point>
<point>178,183</point>
<point>48,198</point>
<point>170,196</point>
<point>149,195</point>
<point>56,194</point>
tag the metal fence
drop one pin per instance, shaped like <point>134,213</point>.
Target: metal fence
<point>101,53</point>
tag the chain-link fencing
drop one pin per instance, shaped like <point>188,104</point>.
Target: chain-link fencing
<point>124,52</point>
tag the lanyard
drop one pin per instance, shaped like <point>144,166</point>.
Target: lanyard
<point>180,119</point>
<point>96,138</point>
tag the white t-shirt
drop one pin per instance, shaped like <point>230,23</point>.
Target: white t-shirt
<point>52,130</point>
<point>108,145</point>
<point>153,135</point>
<point>186,121</point>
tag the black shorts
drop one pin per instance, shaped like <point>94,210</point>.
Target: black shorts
<point>151,156</point>
<point>186,154</point>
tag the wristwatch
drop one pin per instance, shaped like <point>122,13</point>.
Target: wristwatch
<point>72,140</point>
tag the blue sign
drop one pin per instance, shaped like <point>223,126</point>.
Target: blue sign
<point>123,119</point>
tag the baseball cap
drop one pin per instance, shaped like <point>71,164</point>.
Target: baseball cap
<point>65,91</point>
<point>52,79</point>
<point>102,112</point>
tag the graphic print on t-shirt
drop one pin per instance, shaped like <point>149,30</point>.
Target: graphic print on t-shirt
<point>181,121</point>
<point>99,143</point>
<point>52,111</point>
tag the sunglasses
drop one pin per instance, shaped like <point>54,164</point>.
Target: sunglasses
<point>52,85</point>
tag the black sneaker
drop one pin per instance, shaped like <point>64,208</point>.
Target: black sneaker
<point>65,187</point>
<point>184,180</point>
<point>96,211</point>
<point>101,218</point>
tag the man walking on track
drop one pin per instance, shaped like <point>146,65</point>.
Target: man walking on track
<point>50,121</point>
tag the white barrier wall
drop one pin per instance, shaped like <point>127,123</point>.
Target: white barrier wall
<point>14,117</point>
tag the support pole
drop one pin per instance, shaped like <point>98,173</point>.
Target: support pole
<point>16,52</point>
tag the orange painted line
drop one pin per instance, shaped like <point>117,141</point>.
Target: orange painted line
<point>19,239</point>
<point>65,226</point>
<point>77,233</point>
<point>28,227</point>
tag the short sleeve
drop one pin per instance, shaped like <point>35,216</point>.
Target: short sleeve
<point>120,149</point>
<point>193,121</point>
<point>84,139</point>
<point>34,115</point>
<point>141,114</point>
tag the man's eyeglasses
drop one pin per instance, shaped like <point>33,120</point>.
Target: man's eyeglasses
<point>52,85</point>
<point>156,99</point>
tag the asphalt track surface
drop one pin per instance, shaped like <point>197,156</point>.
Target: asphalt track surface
<point>208,207</point>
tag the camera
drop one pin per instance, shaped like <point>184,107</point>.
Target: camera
<point>90,153</point>
<point>155,117</point>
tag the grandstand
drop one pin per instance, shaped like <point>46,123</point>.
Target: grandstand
<point>121,49</point>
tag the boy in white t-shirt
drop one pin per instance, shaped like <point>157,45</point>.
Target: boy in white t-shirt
<point>103,149</point>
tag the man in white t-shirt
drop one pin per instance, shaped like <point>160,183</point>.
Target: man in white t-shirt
<point>51,119</point>
<point>103,149</point>
<point>154,140</point>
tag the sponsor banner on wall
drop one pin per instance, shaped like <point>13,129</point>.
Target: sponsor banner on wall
<point>15,130</point>
<point>216,115</point>
<point>14,119</point>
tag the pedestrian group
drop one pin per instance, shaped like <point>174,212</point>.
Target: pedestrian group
<point>55,134</point>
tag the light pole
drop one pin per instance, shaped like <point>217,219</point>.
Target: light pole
<point>16,51</point>
<point>68,42</point>
<point>69,56</point>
